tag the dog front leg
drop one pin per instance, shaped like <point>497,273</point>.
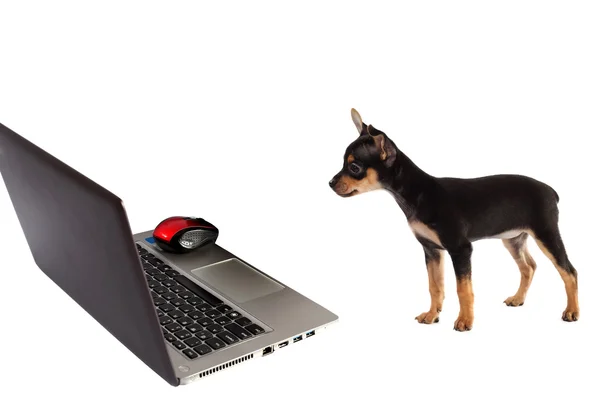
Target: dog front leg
<point>461,259</point>
<point>434,259</point>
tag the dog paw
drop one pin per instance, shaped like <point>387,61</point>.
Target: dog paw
<point>570,315</point>
<point>463,323</point>
<point>514,301</point>
<point>429,317</point>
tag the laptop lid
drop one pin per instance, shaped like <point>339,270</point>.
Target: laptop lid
<point>80,237</point>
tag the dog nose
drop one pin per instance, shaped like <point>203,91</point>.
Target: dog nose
<point>332,182</point>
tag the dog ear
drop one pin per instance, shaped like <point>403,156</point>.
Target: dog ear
<point>384,144</point>
<point>361,127</point>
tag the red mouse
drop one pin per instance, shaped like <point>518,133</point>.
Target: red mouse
<point>184,234</point>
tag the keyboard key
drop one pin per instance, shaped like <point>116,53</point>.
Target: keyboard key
<point>224,309</point>
<point>169,296</point>
<point>203,335</point>
<point>174,327</point>
<point>154,261</point>
<point>171,273</point>
<point>186,295</point>
<point>179,345</point>
<point>194,328</point>
<point>154,295</point>
<point>193,341</point>
<point>190,353</point>
<point>214,328</point>
<point>177,302</point>
<point>215,343</point>
<point>176,314</point>
<point>185,321</point>
<point>202,349</point>
<point>205,321</point>
<point>160,314</point>
<point>255,329</point>
<point>153,271</point>
<point>146,266</point>
<point>182,335</point>
<point>212,313</point>
<point>147,256</point>
<point>227,337</point>
<point>167,307</point>
<point>159,301</point>
<point>222,320</point>
<point>195,314</point>
<point>169,283</point>
<point>152,284</point>
<point>163,267</point>
<point>160,278</point>
<point>170,338</point>
<point>238,331</point>
<point>177,289</point>
<point>204,307</point>
<point>160,290</point>
<point>195,301</point>
<point>186,308</point>
<point>200,292</point>
<point>234,315</point>
<point>165,320</point>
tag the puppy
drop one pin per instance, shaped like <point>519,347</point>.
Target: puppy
<point>449,214</point>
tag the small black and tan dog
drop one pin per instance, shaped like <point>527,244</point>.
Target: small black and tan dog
<point>449,214</point>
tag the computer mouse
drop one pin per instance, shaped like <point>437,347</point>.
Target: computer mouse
<point>184,234</point>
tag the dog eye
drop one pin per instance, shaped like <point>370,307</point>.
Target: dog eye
<point>354,168</point>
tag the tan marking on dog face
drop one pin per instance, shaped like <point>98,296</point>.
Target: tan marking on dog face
<point>350,159</point>
<point>423,230</point>
<point>350,186</point>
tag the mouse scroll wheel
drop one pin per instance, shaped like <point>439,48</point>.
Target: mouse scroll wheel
<point>193,239</point>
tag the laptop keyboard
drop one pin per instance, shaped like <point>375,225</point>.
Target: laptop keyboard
<point>194,321</point>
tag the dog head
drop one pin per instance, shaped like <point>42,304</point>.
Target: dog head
<point>367,161</point>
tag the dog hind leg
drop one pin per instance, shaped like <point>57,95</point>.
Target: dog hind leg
<point>551,244</point>
<point>517,247</point>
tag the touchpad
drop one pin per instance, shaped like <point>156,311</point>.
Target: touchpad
<point>238,281</point>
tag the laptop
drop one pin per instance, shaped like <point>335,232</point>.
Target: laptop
<point>186,316</point>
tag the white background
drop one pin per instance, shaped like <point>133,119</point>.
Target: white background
<point>240,113</point>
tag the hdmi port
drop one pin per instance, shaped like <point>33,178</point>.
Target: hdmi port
<point>283,344</point>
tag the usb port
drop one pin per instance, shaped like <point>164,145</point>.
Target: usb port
<point>297,338</point>
<point>283,344</point>
<point>309,334</point>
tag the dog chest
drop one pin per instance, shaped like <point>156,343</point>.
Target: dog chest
<point>422,230</point>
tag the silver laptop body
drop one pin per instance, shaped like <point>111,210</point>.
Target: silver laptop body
<point>80,237</point>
